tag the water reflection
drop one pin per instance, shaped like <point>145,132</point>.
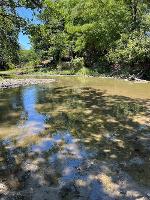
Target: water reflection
<point>35,121</point>
<point>82,151</point>
<point>62,151</point>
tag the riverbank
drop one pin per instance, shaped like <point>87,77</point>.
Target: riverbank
<point>12,83</point>
<point>135,80</point>
<point>13,74</point>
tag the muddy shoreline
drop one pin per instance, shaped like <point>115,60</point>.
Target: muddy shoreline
<point>130,79</point>
<point>33,76</point>
<point>13,83</point>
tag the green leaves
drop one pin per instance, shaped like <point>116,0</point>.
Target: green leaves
<point>102,32</point>
<point>132,51</point>
<point>10,25</point>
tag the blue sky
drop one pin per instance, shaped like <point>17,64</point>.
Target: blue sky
<point>24,41</point>
<point>27,14</point>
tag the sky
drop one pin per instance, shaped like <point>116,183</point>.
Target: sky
<point>24,41</point>
<point>27,14</point>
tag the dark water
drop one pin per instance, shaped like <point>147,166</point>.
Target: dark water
<point>50,135</point>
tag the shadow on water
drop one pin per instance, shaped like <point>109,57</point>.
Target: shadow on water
<point>76,143</point>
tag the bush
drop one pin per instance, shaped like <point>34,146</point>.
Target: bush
<point>11,66</point>
<point>63,66</point>
<point>131,51</point>
<point>86,72</point>
<point>77,63</point>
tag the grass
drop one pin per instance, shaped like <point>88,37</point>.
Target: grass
<point>45,71</point>
<point>15,71</point>
<point>82,72</point>
<point>54,72</point>
<point>87,72</point>
<point>28,69</point>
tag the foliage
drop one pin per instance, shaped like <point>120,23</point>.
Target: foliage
<point>8,41</point>
<point>86,72</point>
<point>27,57</point>
<point>10,26</point>
<point>77,35</point>
<point>78,29</point>
<point>68,30</point>
<point>132,50</point>
<point>77,63</point>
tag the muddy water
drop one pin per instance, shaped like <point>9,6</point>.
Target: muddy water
<point>77,138</point>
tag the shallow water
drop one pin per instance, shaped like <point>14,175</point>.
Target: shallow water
<point>67,132</point>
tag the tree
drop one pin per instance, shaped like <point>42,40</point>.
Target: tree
<point>10,25</point>
<point>79,28</point>
<point>27,56</point>
<point>93,31</point>
<point>50,38</point>
<point>8,40</point>
<point>131,52</point>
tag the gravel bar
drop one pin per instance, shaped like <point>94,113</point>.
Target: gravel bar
<point>13,83</point>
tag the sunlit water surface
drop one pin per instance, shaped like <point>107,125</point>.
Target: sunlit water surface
<point>63,125</point>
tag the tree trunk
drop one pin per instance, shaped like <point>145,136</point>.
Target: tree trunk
<point>134,12</point>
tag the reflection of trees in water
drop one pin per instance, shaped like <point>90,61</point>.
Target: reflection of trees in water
<point>10,106</point>
<point>104,124</point>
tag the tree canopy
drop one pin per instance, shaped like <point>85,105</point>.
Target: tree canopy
<point>103,33</point>
<point>10,26</point>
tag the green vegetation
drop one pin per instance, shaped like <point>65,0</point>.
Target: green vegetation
<point>28,58</point>
<point>77,37</point>
<point>10,25</point>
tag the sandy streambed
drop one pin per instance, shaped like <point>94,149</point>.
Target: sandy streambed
<point>70,173</point>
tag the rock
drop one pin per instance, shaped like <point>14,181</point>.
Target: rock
<point>30,167</point>
<point>3,188</point>
<point>13,183</point>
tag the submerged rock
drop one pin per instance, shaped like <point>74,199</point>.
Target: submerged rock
<point>14,183</point>
<point>3,188</point>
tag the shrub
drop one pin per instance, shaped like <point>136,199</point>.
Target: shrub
<point>11,66</point>
<point>131,51</point>
<point>77,63</point>
<point>86,72</point>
